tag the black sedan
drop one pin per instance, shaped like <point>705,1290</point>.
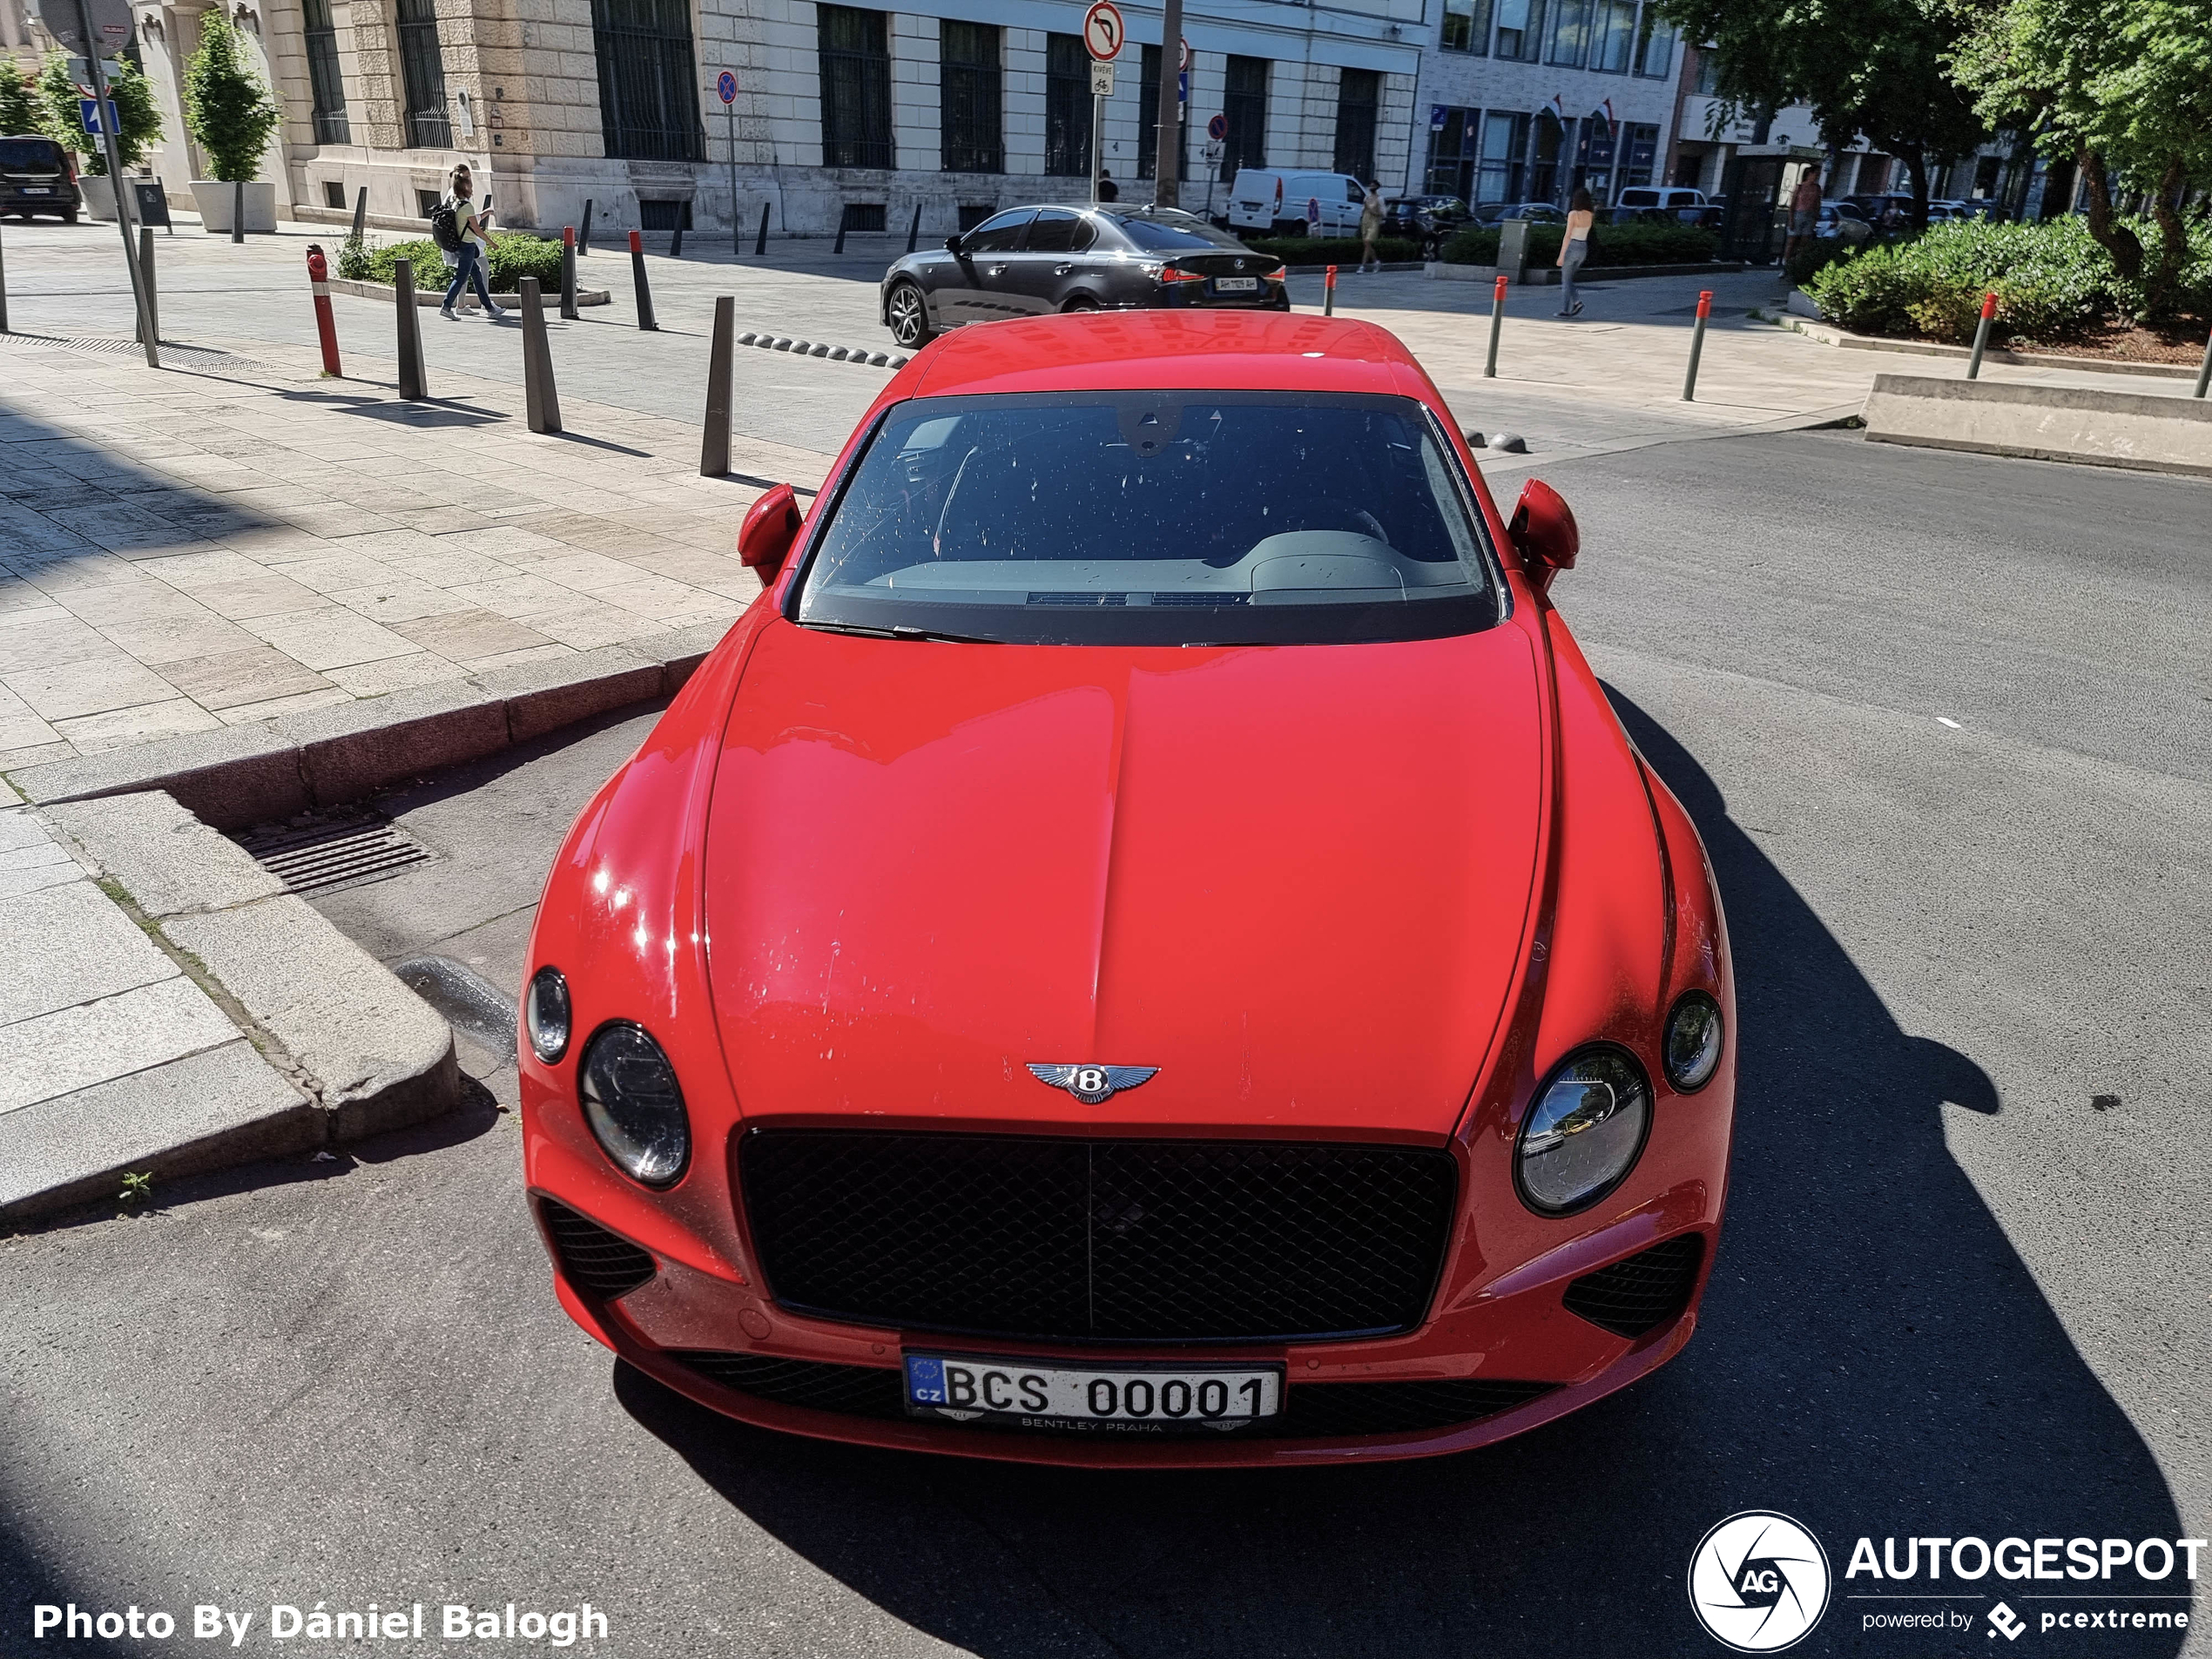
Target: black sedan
<point>1027,261</point>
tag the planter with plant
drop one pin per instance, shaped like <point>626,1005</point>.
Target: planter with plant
<point>228,110</point>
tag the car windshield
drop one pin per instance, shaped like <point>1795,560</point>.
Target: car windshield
<point>1156,236</point>
<point>1183,517</point>
<point>29,154</point>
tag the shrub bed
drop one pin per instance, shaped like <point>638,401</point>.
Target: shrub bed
<point>1637,244</point>
<point>2053,282</point>
<point>1328,250</point>
<point>515,254</point>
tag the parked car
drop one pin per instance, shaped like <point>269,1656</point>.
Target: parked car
<point>1888,213</point>
<point>1661,196</point>
<point>1273,203</point>
<point>1030,260</point>
<point>1146,946</point>
<point>38,176</point>
<point>1540,212</point>
<point>1428,220</point>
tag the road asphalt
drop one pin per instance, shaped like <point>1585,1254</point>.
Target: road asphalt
<point>1945,723</point>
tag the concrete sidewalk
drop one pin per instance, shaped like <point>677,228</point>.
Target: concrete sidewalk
<point>235,539</point>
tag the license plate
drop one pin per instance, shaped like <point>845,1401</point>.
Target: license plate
<point>37,190</point>
<point>1100,1399</point>
<point>1235,285</point>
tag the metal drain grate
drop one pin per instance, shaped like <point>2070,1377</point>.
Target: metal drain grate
<point>210,357</point>
<point>333,853</point>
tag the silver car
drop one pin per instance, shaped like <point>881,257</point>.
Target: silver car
<point>1028,261</point>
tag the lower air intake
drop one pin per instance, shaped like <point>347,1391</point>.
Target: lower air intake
<point>1647,1290</point>
<point>593,1259</point>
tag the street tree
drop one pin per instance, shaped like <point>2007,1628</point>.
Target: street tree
<point>1873,67</point>
<point>139,118</point>
<point>22,110</point>
<point>226,105</point>
<point>2125,86</point>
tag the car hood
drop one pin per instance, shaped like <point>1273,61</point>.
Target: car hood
<point>1294,880</point>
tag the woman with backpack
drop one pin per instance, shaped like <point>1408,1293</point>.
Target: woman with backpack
<point>458,227</point>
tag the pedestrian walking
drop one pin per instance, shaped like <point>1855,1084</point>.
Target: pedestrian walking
<point>1370,224</point>
<point>1108,190</point>
<point>459,228</point>
<point>1581,213</point>
<point>1804,214</point>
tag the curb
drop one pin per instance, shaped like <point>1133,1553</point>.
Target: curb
<point>255,774</point>
<point>860,354</point>
<point>339,1048</point>
<point>436,296</point>
<point>1827,333</point>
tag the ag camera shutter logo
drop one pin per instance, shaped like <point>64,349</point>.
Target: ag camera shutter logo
<point>1759,1582</point>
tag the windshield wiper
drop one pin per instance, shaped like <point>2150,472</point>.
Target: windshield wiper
<point>903,631</point>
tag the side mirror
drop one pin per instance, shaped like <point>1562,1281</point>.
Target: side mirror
<point>771,525</point>
<point>1543,532</point>
<point>952,245</point>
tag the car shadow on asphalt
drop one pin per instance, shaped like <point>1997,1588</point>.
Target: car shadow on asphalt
<point>1874,1358</point>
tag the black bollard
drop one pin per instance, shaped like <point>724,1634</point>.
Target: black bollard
<point>714,445</point>
<point>676,239</point>
<point>568,273</point>
<point>843,219</point>
<point>583,236</point>
<point>914,228</point>
<point>760,242</point>
<point>542,404</point>
<point>360,214</point>
<point>411,386</point>
<point>238,211</point>
<point>644,291</point>
<point>145,280</point>
<point>3,293</point>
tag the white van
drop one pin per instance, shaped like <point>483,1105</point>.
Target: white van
<point>1661,196</point>
<point>1274,202</point>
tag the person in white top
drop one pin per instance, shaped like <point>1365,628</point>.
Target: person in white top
<point>1582,212</point>
<point>469,260</point>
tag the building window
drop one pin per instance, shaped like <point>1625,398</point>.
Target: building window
<point>1148,131</point>
<point>1466,26</point>
<point>648,109</point>
<point>1707,81</point>
<point>1544,135</point>
<point>1639,153</point>
<point>856,87</point>
<point>1067,107</point>
<point>334,193</point>
<point>1594,158</point>
<point>1521,29</point>
<point>1655,46</point>
<point>1505,158</point>
<point>324,81</point>
<point>422,77</point>
<point>1614,37</point>
<point>1243,101</point>
<point>1358,103</point>
<point>968,97</point>
<point>1570,33</point>
<point>1450,150</point>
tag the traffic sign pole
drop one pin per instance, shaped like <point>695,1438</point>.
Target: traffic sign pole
<point>115,178</point>
<point>1103,37</point>
<point>1167,149</point>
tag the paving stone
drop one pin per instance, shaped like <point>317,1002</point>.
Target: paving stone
<point>255,673</point>
<point>330,637</point>
<point>69,1049</point>
<point>60,945</point>
<point>169,862</point>
<point>95,733</point>
<point>92,685</point>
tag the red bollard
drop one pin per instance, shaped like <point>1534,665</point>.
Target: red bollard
<point>1697,344</point>
<point>1981,335</point>
<point>1329,292</point>
<point>1497,321</point>
<point>326,325</point>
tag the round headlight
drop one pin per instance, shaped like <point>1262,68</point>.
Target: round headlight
<point>1584,1132</point>
<point>546,1014</point>
<point>1693,1042</point>
<point>633,1105</point>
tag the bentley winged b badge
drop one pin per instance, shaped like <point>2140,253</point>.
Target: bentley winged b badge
<point>1093,1085</point>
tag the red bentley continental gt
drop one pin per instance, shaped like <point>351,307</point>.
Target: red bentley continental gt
<point>1145,945</point>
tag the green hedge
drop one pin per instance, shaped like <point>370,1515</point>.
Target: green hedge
<point>1636,244</point>
<point>515,254</point>
<point>2052,281</point>
<point>1328,250</point>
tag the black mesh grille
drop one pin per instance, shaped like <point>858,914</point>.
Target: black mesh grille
<point>594,1260</point>
<point>1098,1240</point>
<point>1647,1290</point>
<point>1318,1410</point>
<point>857,1391</point>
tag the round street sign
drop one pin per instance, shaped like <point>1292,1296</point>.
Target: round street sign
<point>1102,30</point>
<point>111,23</point>
<point>1184,60</point>
<point>726,87</point>
<point>1217,129</point>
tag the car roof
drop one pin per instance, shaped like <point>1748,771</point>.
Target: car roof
<point>1148,350</point>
